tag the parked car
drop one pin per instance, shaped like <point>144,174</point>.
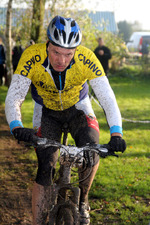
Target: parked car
<point>139,43</point>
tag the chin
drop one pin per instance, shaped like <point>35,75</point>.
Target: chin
<point>59,69</point>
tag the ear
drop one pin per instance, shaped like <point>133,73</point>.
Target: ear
<point>48,45</point>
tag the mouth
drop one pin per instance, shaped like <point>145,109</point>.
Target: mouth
<point>60,67</point>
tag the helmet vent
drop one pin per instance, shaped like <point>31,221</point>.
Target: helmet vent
<point>73,23</point>
<point>54,22</point>
<point>77,38</point>
<point>56,34</point>
<point>64,36</point>
<point>70,37</point>
<point>62,21</point>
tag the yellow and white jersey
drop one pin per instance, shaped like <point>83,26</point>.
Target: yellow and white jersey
<point>34,64</point>
<point>34,70</point>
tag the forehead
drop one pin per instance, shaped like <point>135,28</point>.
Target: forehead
<point>101,40</point>
<point>60,50</point>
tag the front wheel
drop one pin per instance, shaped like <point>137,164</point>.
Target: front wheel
<point>65,217</point>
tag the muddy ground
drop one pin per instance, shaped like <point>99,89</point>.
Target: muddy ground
<point>16,178</point>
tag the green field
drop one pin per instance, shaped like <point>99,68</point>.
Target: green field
<point>120,193</point>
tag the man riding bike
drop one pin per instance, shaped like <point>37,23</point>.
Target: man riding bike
<point>57,72</point>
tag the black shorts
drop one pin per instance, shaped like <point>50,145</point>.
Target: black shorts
<point>84,129</point>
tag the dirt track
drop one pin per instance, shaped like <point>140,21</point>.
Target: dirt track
<point>16,179</point>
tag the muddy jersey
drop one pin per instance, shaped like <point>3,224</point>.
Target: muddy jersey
<point>34,64</point>
<point>34,71</point>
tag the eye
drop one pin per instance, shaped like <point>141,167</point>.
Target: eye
<point>69,55</point>
<point>56,53</point>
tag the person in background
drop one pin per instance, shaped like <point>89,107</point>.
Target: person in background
<point>16,54</point>
<point>2,61</point>
<point>103,53</point>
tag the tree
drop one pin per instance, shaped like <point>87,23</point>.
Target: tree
<point>137,26</point>
<point>125,29</point>
<point>38,20</point>
<point>8,42</point>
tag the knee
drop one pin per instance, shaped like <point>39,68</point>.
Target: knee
<point>47,159</point>
<point>45,175</point>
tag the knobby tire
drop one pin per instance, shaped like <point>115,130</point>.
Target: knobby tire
<point>65,217</point>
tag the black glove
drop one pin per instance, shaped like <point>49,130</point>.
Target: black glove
<point>117,144</point>
<point>24,134</point>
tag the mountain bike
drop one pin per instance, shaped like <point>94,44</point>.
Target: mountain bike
<point>64,195</point>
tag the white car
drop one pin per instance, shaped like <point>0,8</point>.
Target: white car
<point>139,43</point>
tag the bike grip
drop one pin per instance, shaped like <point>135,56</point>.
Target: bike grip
<point>34,139</point>
<point>107,146</point>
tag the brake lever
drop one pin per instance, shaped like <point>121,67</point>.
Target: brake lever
<point>110,151</point>
<point>113,154</point>
<point>44,142</point>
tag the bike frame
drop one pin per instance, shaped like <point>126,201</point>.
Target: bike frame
<point>69,156</point>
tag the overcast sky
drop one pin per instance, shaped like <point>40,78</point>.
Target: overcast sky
<point>129,10</point>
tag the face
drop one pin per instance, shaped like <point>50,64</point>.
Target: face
<point>101,42</point>
<point>60,58</point>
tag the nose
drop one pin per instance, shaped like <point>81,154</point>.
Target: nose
<point>61,59</point>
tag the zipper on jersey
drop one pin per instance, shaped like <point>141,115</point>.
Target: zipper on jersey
<point>60,99</point>
<point>60,82</point>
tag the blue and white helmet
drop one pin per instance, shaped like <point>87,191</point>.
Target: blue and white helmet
<point>64,32</point>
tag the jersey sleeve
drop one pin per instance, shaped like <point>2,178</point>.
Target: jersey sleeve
<point>106,97</point>
<point>14,99</point>
<point>37,115</point>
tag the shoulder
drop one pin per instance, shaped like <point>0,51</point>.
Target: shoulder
<point>82,51</point>
<point>31,58</point>
<point>97,48</point>
<point>2,46</point>
<point>36,48</point>
<point>86,60</point>
<point>34,52</point>
<point>106,48</point>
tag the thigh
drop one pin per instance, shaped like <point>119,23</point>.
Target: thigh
<point>50,126</point>
<point>47,158</point>
<point>84,129</point>
<point>51,129</point>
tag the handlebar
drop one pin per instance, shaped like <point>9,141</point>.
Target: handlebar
<point>102,150</point>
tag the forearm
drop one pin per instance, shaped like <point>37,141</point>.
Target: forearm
<point>107,99</point>
<point>37,115</point>
<point>14,99</point>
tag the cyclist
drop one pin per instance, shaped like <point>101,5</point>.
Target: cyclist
<point>58,72</point>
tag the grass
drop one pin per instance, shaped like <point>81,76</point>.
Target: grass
<point>120,193</point>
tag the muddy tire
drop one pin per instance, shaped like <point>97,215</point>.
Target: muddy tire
<point>65,217</point>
